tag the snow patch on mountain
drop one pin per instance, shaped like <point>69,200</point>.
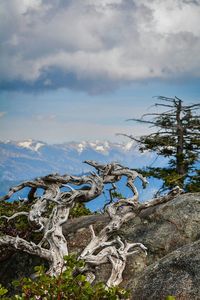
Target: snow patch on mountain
<point>30,144</point>
<point>101,147</point>
<point>81,147</point>
<point>128,146</point>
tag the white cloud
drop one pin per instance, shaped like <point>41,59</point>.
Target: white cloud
<point>92,41</point>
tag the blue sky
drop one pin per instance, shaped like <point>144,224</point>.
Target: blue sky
<point>75,70</point>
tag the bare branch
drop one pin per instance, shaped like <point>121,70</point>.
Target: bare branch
<point>21,244</point>
<point>142,121</point>
<point>21,213</point>
<point>196,106</point>
<point>160,200</point>
<point>129,136</point>
<point>157,114</point>
<point>165,98</point>
<point>164,105</point>
<point>50,211</point>
<point>92,231</point>
<point>32,184</point>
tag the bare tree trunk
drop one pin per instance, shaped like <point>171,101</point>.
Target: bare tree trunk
<point>180,165</point>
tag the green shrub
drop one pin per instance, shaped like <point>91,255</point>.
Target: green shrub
<point>3,291</point>
<point>18,226</point>
<point>70,285</point>
<point>79,210</point>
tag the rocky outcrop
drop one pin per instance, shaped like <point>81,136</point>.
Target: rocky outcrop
<point>167,227</point>
<point>171,234</point>
<point>169,231</point>
<point>175,274</point>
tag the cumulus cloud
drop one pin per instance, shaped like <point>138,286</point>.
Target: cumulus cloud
<point>97,45</point>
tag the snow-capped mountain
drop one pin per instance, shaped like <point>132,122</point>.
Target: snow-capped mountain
<point>30,144</point>
<point>24,160</point>
<point>29,158</point>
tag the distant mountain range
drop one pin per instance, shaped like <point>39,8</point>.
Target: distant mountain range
<point>24,160</point>
<point>28,159</point>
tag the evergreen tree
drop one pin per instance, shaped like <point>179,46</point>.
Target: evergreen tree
<point>177,137</point>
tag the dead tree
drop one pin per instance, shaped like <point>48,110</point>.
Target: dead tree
<point>50,211</point>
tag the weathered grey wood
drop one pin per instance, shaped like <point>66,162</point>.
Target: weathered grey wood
<point>49,215</point>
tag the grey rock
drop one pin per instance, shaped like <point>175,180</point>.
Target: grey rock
<point>166,227</point>
<point>177,274</point>
<point>171,234</point>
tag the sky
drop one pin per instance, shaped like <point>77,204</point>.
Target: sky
<point>73,70</point>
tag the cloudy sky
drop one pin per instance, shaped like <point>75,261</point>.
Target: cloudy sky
<point>76,69</point>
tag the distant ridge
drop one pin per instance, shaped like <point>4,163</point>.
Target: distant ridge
<point>27,159</point>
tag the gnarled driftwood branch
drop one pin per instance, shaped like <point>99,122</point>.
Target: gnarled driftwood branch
<point>50,211</point>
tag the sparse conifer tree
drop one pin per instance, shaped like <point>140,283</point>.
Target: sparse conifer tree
<point>177,137</point>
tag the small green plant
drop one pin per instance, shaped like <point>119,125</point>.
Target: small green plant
<point>69,285</point>
<point>79,210</point>
<point>18,226</point>
<point>117,195</point>
<point>3,291</point>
